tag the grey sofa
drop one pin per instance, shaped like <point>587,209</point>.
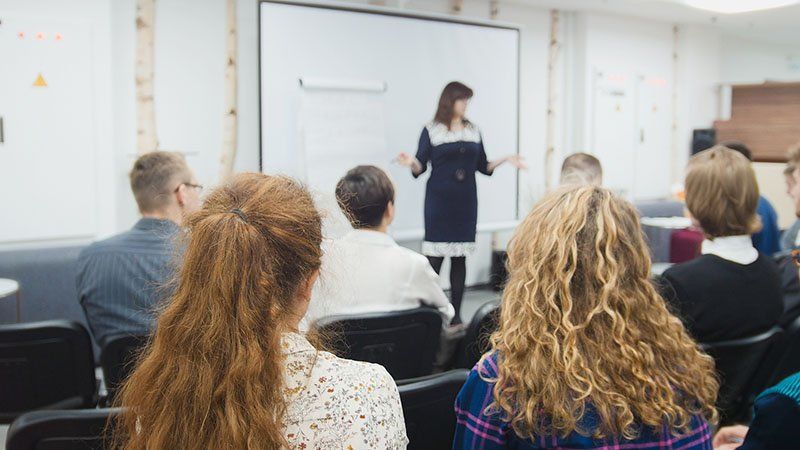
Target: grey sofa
<point>47,284</point>
<point>47,287</point>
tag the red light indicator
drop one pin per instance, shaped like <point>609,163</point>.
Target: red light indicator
<point>616,78</point>
<point>40,36</point>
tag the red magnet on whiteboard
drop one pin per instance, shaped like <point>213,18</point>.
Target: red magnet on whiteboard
<point>40,36</point>
<point>21,35</point>
<point>58,36</point>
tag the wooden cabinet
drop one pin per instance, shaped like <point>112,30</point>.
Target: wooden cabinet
<point>766,117</point>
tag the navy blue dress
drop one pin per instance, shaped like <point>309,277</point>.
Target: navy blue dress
<point>451,195</point>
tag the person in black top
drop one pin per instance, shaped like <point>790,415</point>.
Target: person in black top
<point>730,291</point>
<point>775,425</point>
<point>454,147</point>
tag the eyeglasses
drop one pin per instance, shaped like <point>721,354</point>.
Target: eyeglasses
<point>199,187</point>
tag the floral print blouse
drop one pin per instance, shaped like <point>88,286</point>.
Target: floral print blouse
<point>336,403</point>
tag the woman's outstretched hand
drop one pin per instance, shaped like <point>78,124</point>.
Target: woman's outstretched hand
<point>517,161</point>
<point>405,159</point>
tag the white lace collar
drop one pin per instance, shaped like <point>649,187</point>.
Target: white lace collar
<point>738,249</point>
<point>440,134</point>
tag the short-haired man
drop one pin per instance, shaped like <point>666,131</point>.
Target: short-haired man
<point>581,169</point>
<point>766,240</point>
<point>789,237</point>
<point>121,279</point>
<point>366,271</point>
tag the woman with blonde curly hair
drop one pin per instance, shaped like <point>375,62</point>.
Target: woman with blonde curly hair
<point>587,355</point>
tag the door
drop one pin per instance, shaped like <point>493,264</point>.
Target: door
<point>47,153</point>
<point>613,130</point>
<point>654,137</point>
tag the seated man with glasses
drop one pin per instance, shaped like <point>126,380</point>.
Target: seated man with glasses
<point>121,279</point>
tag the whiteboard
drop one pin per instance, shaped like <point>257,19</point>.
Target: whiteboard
<point>413,57</point>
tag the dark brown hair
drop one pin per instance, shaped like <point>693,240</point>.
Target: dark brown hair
<point>452,92</point>
<point>213,373</point>
<point>152,177</point>
<point>722,192</point>
<point>740,147</point>
<point>364,193</point>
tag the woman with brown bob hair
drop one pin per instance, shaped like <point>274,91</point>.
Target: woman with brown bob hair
<point>227,367</point>
<point>586,355</point>
<point>730,291</point>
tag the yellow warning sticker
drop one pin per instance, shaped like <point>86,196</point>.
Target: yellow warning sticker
<point>40,81</point>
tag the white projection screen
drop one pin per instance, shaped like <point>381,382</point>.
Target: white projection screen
<point>339,71</point>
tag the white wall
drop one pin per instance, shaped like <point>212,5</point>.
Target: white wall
<point>747,61</point>
<point>698,75</point>
<point>189,69</point>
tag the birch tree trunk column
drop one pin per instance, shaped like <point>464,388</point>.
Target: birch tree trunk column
<point>146,137</point>
<point>229,121</point>
<point>552,64</point>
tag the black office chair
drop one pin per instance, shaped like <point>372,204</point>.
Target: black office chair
<point>788,361</point>
<point>45,365</point>
<point>404,342</point>
<point>428,404</point>
<point>740,363</point>
<point>118,359</point>
<point>476,340</point>
<point>83,429</point>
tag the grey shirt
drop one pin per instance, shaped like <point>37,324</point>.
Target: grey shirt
<point>789,237</point>
<point>121,279</point>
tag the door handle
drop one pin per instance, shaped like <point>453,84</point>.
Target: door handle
<point>2,132</point>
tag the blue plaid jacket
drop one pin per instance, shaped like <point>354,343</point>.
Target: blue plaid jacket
<point>476,430</point>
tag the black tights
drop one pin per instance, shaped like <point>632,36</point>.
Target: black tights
<point>458,275</point>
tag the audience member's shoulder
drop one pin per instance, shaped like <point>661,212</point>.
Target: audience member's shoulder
<point>767,262</point>
<point>765,204</point>
<point>112,244</point>
<point>411,255</point>
<point>690,267</point>
<point>789,387</point>
<point>348,370</point>
<point>156,241</point>
<point>487,366</point>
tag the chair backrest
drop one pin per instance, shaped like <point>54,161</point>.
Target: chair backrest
<point>788,361</point>
<point>476,340</point>
<point>404,342</point>
<point>428,409</point>
<point>738,363</point>
<point>118,358</point>
<point>45,365</point>
<point>61,430</point>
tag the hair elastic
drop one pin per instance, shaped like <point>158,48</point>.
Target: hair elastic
<point>241,214</point>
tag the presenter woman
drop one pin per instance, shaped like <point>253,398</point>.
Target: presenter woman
<point>453,146</point>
